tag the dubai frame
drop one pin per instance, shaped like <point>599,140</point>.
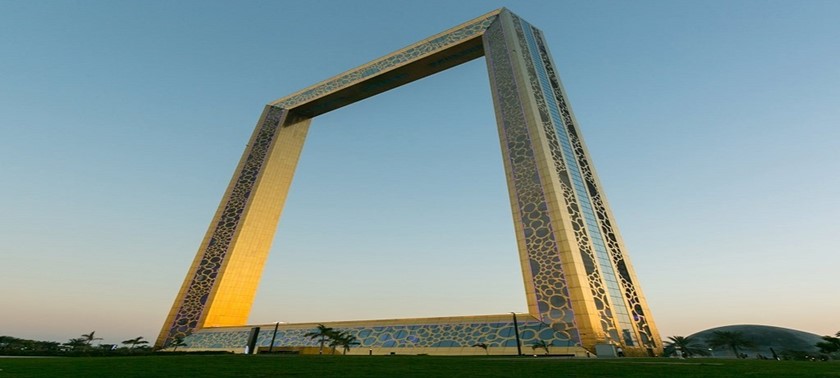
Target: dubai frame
<point>581,289</point>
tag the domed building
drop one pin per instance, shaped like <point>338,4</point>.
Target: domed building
<point>763,338</point>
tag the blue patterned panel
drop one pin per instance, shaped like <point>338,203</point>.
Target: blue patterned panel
<point>436,335</point>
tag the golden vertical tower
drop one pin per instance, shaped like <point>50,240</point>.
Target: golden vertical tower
<point>578,279</point>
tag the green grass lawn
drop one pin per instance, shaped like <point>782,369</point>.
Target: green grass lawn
<point>403,366</point>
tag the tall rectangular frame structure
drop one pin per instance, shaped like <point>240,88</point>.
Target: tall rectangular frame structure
<point>578,279</point>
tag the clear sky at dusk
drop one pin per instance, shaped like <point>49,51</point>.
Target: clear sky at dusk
<point>713,126</point>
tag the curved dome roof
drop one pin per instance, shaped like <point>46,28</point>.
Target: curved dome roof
<point>764,337</point>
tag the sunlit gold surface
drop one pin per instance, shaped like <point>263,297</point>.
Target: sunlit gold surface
<point>561,290</point>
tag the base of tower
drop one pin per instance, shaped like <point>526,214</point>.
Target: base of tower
<point>462,335</point>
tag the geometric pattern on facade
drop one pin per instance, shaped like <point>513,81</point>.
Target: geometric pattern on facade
<point>207,271</point>
<point>564,165</point>
<point>549,291</point>
<point>427,48</point>
<point>495,331</point>
<point>578,280</point>
<point>611,255</point>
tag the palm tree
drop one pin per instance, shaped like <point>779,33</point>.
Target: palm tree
<point>334,339</point>
<point>482,346</point>
<point>343,339</point>
<point>76,343</point>
<point>829,345</point>
<point>541,344</point>
<point>90,338</point>
<point>322,333</point>
<point>178,341</point>
<point>135,342</point>
<point>686,345</point>
<point>732,340</point>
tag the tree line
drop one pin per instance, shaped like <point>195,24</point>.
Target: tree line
<point>681,346</point>
<point>82,345</point>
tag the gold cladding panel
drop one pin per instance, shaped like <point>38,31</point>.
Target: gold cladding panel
<point>555,276</point>
<point>240,277</point>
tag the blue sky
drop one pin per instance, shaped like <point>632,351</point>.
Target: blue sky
<point>713,127</point>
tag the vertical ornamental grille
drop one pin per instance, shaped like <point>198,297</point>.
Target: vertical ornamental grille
<point>604,226</point>
<point>548,115</point>
<point>207,272</point>
<point>551,291</point>
<point>614,246</point>
<point>544,158</point>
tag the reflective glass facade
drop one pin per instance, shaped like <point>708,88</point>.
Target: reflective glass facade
<point>582,195</point>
